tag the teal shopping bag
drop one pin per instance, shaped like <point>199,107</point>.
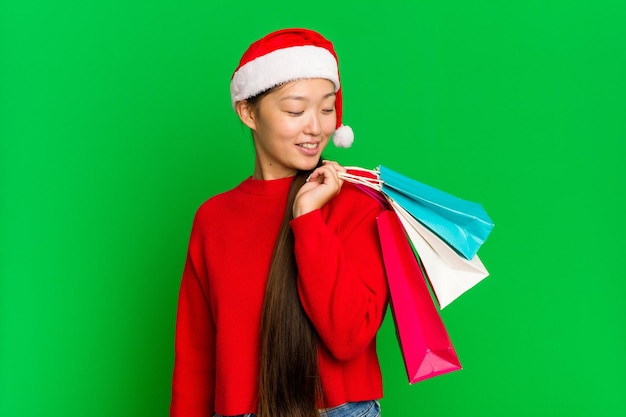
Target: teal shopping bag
<point>464,225</point>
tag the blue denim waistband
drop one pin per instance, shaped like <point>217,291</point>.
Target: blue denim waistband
<point>352,409</point>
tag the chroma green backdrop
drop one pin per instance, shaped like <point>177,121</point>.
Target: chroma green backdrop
<point>116,125</point>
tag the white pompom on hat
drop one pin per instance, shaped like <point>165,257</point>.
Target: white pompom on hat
<point>286,55</point>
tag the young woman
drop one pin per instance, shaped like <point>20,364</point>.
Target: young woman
<point>283,290</point>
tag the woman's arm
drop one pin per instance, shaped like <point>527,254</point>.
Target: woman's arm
<point>342,282</point>
<point>194,366</point>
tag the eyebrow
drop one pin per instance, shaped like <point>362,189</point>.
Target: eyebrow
<point>294,97</point>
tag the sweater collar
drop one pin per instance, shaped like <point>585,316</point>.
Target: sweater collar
<point>266,187</point>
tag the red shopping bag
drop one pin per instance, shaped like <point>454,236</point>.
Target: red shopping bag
<point>423,338</point>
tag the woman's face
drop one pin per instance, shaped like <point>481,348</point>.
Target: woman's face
<point>291,127</point>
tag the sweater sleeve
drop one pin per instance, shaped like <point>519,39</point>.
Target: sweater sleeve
<point>341,280</point>
<point>194,366</point>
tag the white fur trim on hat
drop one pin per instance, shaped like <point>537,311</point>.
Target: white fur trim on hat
<point>281,66</point>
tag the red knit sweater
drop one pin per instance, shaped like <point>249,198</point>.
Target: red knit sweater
<point>342,288</point>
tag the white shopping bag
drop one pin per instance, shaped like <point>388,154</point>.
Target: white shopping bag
<point>449,273</point>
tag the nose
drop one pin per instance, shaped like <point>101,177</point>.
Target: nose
<point>313,125</point>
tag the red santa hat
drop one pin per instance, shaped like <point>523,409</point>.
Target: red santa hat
<point>287,55</point>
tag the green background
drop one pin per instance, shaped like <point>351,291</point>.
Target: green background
<point>115,125</point>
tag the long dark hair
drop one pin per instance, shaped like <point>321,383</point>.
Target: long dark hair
<point>289,384</point>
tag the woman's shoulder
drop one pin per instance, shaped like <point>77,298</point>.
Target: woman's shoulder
<point>357,201</point>
<point>351,209</point>
<point>217,200</point>
<point>217,205</point>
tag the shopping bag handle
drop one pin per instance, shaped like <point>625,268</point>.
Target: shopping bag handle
<point>374,182</point>
<point>370,186</point>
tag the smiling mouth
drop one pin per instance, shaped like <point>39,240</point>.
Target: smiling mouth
<point>308,145</point>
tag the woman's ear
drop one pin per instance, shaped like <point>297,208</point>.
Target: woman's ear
<point>246,113</point>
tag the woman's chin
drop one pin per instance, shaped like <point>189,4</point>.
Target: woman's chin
<point>309,165</point>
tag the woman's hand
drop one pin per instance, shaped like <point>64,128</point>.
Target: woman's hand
<point>322,185</point>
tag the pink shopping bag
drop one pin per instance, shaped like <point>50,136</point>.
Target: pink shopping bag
<point>423,338</point>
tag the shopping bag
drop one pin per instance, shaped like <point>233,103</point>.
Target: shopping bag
<point>449,274</point>
<point>424,341</point>
<point>464,225</point>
